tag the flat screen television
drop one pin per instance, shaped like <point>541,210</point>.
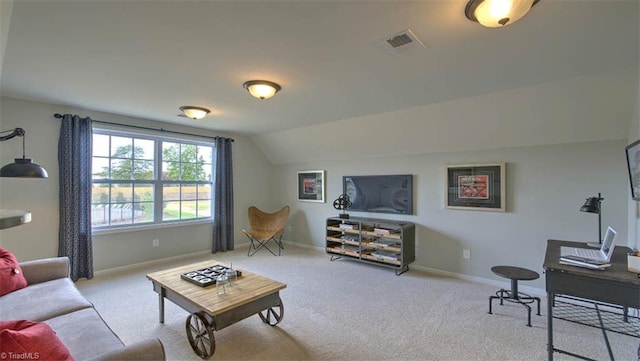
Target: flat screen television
<point>380,193</point>
<point>633,166</point>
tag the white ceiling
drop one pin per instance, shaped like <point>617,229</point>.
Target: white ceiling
<point>147,58</point>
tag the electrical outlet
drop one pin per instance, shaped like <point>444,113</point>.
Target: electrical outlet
<point>155,242</point>
<point>466,254</point>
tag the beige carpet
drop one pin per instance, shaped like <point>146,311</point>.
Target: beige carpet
<point>347,310</point>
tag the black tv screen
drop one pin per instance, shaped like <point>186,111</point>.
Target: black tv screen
<point>380,193</point>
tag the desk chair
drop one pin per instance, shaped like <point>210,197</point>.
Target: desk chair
<point>266,227</point>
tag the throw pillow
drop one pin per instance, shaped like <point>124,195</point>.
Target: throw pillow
<point>28,340</point>
<point>11,277</point>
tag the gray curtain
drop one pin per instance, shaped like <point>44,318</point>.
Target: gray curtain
<point>223,197</point>
<point>74,162</point>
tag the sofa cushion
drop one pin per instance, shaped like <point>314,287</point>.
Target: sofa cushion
<point>85,333</point>
<point>11,277</point>
<point>31,340</point>
<point>42,301</point>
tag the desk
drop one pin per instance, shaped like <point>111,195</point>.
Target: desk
<point>615,285</point>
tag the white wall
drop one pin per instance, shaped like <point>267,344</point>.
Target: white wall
<point>546,186</point>
<point>39,239</point>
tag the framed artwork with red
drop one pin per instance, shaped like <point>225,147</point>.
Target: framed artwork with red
<point>479,187</point>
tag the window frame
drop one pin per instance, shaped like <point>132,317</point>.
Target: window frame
<point>157,181</point>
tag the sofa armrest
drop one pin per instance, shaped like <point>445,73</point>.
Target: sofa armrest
<point>147,350</point>
<point>46,269</point>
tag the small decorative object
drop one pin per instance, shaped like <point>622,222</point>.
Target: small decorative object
<point>222,284</point>
<point>478,187</point>
<point>633,262</point>
<point>342,204</point>
<point>206,276</point>
<point>311,186</point>
<point>232,275</point>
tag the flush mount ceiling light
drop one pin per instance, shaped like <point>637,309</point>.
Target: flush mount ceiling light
<point>194,112</point>
<point>262,89</point>
<point>497,13</point>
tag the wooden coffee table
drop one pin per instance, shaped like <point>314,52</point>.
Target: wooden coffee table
<point>209,311</point>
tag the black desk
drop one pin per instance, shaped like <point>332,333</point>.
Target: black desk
<point>615,285</point>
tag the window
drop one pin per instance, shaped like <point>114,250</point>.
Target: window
<point>139,179</point>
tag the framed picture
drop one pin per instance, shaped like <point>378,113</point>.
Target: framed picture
<point>311,186</point>
<point>478,187</point>
<point>633,165</point>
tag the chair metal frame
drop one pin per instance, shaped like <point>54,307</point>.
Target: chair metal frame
<point>264,228</point>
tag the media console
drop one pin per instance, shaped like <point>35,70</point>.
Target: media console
<point>382,242</point>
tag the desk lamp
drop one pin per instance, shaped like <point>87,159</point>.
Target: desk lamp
<point>594,205</point>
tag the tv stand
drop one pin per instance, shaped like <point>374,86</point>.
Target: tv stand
<point>381,242</point>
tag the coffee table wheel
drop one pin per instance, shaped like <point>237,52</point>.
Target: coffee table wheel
<point>273,315</point>
<point>200,335</point>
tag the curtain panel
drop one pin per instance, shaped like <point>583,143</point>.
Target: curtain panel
<point>223,238</point>
<point>74,161</point>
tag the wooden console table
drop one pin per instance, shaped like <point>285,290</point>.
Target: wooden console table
<point>615,286</point>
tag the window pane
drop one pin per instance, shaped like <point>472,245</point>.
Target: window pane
<point>205,175</point>
<point>100,194</point>
<point>189,171</point>
<point>144,149</point>
<point>121,193</point>
<point>204,191</point>
<point>144,212</point>
<point>120,169</point>
<point>143,169</point>
<point>189,192</point>
<point>100,168</point>
<point>100,145</point>
<point>99,215</point>
<point>188,210</point>
<point>121,147</point>
<point>171,171</point>
<point>205,154</point>
<point>170,211</point>
<point>204,208</point>
<point>143,192</point>
<point>171,192</point>
<point>121,213</point>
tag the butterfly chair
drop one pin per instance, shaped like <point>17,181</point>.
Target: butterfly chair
<point>266,227</point>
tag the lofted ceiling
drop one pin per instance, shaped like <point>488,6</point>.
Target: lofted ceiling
<point>145,59</point>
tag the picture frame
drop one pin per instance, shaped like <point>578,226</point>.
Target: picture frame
<point>311,186</point>
<point>633,166</point>
<point>478,187</point>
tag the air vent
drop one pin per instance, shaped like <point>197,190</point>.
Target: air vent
<point>400,40</point>
<point>403,42</point>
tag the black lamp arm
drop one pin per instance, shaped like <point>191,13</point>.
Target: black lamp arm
<point>17,132</point>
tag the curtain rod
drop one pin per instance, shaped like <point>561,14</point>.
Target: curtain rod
<point>59,116</point>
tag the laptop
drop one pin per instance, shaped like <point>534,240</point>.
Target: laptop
<point>601,255</point>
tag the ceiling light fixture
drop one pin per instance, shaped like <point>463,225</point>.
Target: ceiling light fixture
<point>261,89</point>
<point>497,13</point>
<point>194,112</point>
<point>22,167</point>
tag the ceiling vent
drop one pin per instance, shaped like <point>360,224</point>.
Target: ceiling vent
<point>404,42</point>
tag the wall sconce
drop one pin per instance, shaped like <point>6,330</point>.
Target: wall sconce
<point>594,205</point>
<point>497,13</point>
<point>195,113</point>
<point>22,167</point>
<point>262,89</point>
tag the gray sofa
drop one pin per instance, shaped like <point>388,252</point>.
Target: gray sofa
<point>52,297</point>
